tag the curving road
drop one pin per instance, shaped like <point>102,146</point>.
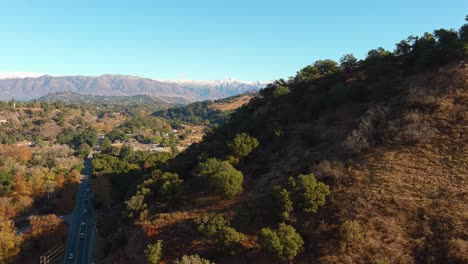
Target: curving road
<point>81,235</point>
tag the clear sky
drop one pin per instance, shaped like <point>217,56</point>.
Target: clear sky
<point>206,40</point>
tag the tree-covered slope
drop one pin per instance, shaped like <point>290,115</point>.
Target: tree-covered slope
<point>351,162</point>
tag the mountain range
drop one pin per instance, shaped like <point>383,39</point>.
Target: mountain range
<point>27,88</point>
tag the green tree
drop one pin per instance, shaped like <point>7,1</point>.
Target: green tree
<point>463,32</point>
<point>221,176</point>
<point>153,252</point>
<point>126,152</point>
<point>243,144</point>
<point>404,47</point>
<point>218,231</point>
<point>326,66</point>
<point>307,73</point>
<point>172,189</point>
<point>284,243</point>
<point>136,206</point>
<point>210,224</point>
<point>447,42</point>
<point>117,135</point>
<point>192,259</point>
<point>282,204</point>
<point>230,241</point>
<point>106,145</point>
<point>348,62</point>
<point>273,91</point>
<point>308,193</point>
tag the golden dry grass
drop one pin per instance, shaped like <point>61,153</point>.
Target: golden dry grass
<point>223,107</point>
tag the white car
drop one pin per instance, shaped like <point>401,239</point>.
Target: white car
<point>83,224</point>
<point>70,257</point>
<point>82,236</point>
<point>85,211</point>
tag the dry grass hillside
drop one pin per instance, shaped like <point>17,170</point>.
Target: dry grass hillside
<point>232,104</point>
<point>397,170</point>
<point>409,194</point>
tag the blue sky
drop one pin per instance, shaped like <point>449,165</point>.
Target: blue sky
<point>206,40</point>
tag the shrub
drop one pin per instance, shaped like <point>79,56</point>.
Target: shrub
<point>192,259</point>
<point>284,243</point>
<point>136,206</point>
<point>350,232</point>
<point>274,91</point>
<point>243,145</point>
<point>222,177</point>
<point>230,241</point>
<point>330,169</point>
<point>410,129</point>
<point>282,203</point>
<point>362,138</point>
<point>308,194</point>
<point>153,252</point>
<point>210,225</point>
<point>217,231</point>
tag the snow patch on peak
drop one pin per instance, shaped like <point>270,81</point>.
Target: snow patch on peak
<point>228,81</point>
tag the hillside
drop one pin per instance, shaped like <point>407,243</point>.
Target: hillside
<point>205,112</point>
<point>123,85</point>
<point>362,162</point>
<point>73,98</point>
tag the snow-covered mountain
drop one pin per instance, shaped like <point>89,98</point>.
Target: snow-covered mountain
<point>219,88</point>
<point>26,86</point>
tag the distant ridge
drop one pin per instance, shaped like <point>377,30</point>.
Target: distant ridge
<point>123,85</point>
<point>71,97</point>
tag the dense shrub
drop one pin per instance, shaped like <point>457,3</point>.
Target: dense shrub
<point>282,204</point>
<point>218,231</point>
<point>350,232</point>
<point>308,193</point>
<point>153,252</point>
<point>221,176</point>
<point>243,145</point>
<point>284,243</point>
<point>192,259</point>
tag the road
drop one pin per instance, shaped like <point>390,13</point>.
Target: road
<point>81,233</point>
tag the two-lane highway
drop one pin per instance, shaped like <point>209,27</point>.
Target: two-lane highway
<point>81,234</point>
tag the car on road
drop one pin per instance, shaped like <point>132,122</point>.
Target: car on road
<point>70,257</point>
<point>85,211</point>
<point>83,224</point>
<point>82,236</point>
<point>87,190</point>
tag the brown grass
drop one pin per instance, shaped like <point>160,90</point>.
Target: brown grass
<point>223,107</point>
